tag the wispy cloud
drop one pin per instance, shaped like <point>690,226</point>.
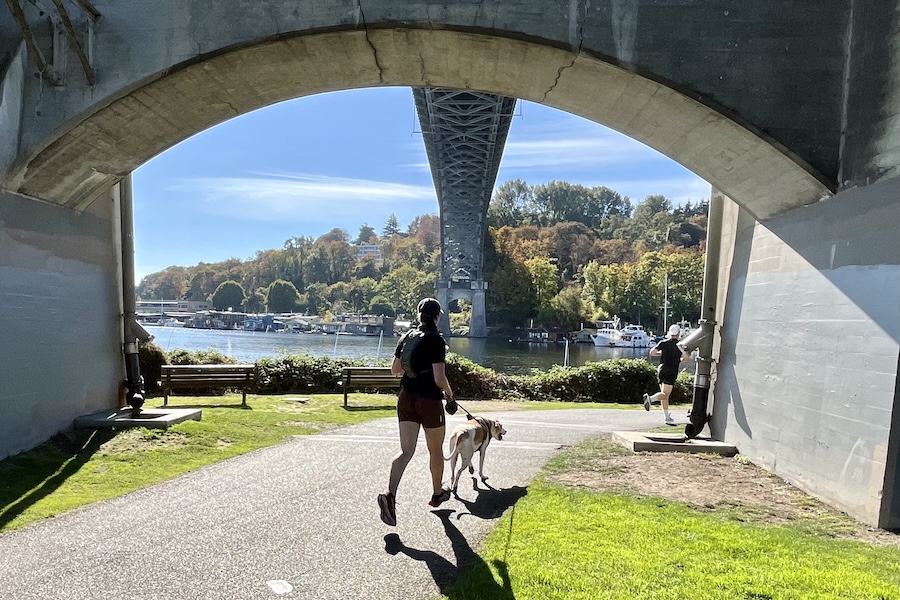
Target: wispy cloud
<point>301,197</point>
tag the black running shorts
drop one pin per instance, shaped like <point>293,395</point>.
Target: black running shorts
<point>428,412</point>
<point>668,377</point>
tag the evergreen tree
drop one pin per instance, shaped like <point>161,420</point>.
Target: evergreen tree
<point>391,227</point>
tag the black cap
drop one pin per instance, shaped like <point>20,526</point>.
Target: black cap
<point>430,307</point>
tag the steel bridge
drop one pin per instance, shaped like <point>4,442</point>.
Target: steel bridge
<point>464,133</point>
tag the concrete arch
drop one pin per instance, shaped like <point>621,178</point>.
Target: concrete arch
<point>94,151</point>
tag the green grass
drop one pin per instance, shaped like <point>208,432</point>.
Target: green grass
<point>572,544</point>
<point>82,467</point>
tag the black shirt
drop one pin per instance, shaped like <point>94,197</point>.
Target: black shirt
<point>671,355</point>
<point>431,349</point>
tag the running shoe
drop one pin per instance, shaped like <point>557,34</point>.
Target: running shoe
<point>438,499</point>
<point>646,401</point>
<point>388,509</point>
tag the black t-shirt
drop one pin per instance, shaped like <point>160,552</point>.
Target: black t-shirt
<point>431,349</point>
<point>671,355</point>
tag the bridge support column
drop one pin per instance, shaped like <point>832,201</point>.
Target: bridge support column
<point>443,297</point>
<point>473,292</point>
<point>478,324</point>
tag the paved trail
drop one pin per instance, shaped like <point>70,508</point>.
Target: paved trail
<point>301,514</point>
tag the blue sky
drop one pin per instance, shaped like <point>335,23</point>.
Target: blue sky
<point>344,159</point>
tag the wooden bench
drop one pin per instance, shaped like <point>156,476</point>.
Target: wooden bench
<point>367,377</point>
<point>206,376</point>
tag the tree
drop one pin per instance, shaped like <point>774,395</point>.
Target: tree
<point>338,295</point>
<point>314,301</point>
<point>169,284</point>
<point>404,287</point>
<point>361,293</point>
<point>566,308</point>
<point>391,227</point>
<point>652,221</point>
<point>544,278</point>
<point>255,302</point>
<point>510,204</point>
<point>512,299</point>
<point>228,296</point>
<point>381,306</point>
<point>605,287</point>
<point>366,233</point>
<point>294,259</point>
<point>282,296</point>
<point>427,231</point>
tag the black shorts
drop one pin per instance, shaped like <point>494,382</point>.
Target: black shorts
<point>427,412</point>
<point>668,377</point>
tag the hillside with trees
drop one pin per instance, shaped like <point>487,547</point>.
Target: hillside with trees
<point>556,253</point>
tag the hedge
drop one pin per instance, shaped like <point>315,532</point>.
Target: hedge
<point>618,380</point>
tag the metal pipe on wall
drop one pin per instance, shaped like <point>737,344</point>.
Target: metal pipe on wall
<point>134,382</point>
<point>702,339</point>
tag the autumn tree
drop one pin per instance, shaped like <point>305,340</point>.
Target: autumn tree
<point>544,279</point>
<point>427,231</point>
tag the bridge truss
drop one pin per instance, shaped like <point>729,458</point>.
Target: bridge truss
<point>465,133</point>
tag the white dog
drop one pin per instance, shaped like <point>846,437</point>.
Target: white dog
<point>467,438</point>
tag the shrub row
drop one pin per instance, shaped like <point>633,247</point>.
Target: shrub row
<point>611,381</point>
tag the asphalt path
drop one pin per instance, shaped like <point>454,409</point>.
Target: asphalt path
<point>296,520</point>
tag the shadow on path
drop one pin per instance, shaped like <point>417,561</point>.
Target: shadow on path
<point>479,579</point>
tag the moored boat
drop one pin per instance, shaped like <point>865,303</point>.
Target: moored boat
<point>630,336</point>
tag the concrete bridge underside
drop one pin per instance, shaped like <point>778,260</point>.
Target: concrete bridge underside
<point>790,111</point>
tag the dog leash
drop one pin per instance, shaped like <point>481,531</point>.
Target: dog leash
<point>480,420</point>
<point>468,414</point>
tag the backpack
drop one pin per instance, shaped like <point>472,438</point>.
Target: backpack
<point>409,343</point>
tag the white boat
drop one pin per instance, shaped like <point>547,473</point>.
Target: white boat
<point>607,332</point>
<point>630,336</point>
<point>686,328</point>
<point>172,322</point>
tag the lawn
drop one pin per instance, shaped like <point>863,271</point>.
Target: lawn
<point>575,543</point>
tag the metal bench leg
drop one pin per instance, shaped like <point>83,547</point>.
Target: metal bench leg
<point>166,399</point>
<point>244,399</point>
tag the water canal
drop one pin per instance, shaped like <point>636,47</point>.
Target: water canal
<point>500,355</point>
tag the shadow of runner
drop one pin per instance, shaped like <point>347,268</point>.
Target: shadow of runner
<point>479,579</point>
<point>31,476</point>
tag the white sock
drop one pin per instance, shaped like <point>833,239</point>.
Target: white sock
<point>666,411</point>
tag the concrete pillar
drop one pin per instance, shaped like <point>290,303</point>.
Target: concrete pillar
<point>443,296</point>
<point>478,324</point>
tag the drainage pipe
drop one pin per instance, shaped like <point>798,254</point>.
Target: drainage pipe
<point>702,339</point>
<point>134,383</point>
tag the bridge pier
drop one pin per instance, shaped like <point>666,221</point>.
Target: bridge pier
<point>471,291</point>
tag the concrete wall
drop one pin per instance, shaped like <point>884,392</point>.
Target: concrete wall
<point>806,382</point>
<point>60,347</point>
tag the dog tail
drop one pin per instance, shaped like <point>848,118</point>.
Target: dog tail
<point>454,449</point>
